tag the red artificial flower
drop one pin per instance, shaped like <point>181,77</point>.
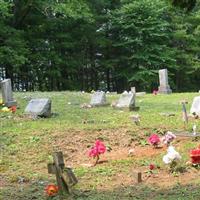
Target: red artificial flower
<point>154,139</point>
<point>195,156</point>
<point>98,149</point>
<point>51,190</point>
<point>13,109</point>
<point>152,166</point>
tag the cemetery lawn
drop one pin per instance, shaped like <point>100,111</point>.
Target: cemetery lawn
<point>26,146</point>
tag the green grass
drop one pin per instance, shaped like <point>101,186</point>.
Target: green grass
<point>26,145</point>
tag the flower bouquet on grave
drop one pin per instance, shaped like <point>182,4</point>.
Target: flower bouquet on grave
<point>195,156</point>
<point>155,92</point>
<point>168,138</point>
<point>154,140</point>
<point>172,157</point>
<point>5,109</point>
<point>96,150</point>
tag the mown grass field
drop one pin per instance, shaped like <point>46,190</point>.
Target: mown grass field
<point>27,144</point>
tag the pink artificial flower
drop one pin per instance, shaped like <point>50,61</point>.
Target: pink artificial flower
<point>155,92</point>
<point>168,138</point>
<point>98,149</point>
<point>154,139</point>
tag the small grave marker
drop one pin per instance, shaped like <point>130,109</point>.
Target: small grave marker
<point>64,175</point>
<point>138,176</point>
<point>133,89</point>
<point>195,108</point>
<point>98,99</point>
<point>7,94</point>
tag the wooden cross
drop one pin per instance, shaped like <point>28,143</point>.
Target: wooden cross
<point>64,175</point>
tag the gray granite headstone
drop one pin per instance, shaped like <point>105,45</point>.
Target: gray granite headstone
<point>98,99</point>
<point>126,100</point>
<point>7,94</point>
<point>164,87</point>
<point>195,108</point>
<point>39,107</point>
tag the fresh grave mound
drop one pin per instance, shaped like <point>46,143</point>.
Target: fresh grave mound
<point>118,159</point>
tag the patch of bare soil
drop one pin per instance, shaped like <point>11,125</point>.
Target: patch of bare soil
<point>76,144</point>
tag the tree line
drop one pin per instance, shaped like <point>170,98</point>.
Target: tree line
<point>99,44</point>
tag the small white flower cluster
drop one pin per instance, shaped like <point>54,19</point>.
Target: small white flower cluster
<point>172,155</point>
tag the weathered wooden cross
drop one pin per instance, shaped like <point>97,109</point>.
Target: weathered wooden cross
<point>64,175</point>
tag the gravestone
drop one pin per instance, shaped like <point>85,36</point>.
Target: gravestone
<point>98,99</point>
<point>7,95</point>
<point>164,87</point>
<point>133,89</point>
<point>139,94</point>
<point>195,108</point>
<point>39,107</point>
<point>126,100</point>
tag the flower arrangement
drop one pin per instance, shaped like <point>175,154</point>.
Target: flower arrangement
<point>155,92</point>
<point>168,138</point>
<point>195,156</point>
<point>172,155</point>
<point>51,190</point>
<point>4,108</point>
<point>96,150</point>
<point>154,140</point>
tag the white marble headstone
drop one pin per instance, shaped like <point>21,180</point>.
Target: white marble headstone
<point>39,107</point>
<point>195,109</point>
<point>98,99</point>
<point>164,87</point>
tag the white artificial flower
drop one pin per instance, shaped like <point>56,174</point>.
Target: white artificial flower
<point>194,128</point>
<point>172,155</point>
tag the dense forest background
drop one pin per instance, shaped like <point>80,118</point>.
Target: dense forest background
<point>99,44</point>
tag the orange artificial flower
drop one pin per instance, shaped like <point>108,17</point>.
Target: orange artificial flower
<point>51,190</point>
<point>13,109</point>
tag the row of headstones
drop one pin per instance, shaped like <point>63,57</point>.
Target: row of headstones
<point>42,107</point>
<point>9,101</point>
